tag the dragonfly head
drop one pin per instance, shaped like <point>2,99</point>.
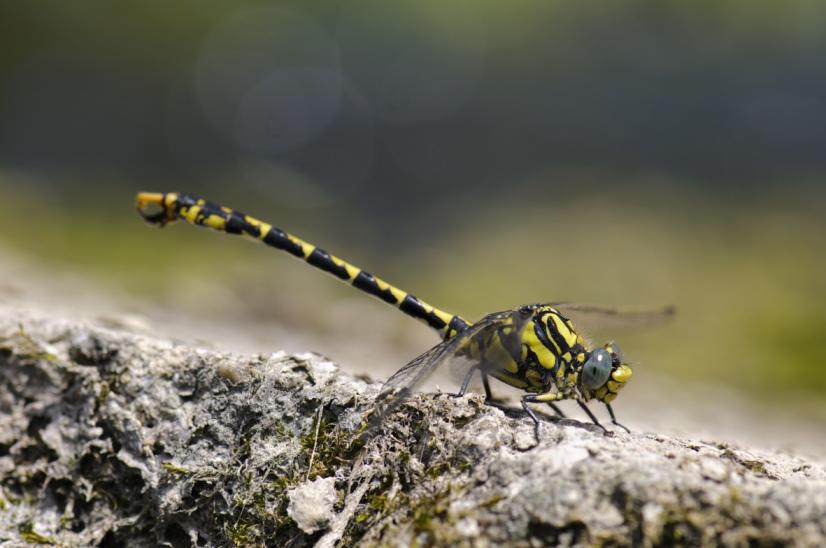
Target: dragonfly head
<point>603,373</point>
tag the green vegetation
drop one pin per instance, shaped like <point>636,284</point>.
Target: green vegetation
<point>175,469</point>
<point>26,347</point>
<point>31,536</point>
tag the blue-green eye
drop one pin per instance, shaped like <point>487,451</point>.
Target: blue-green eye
<point>597,369</point>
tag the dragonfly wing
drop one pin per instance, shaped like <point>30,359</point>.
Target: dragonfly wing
<point>418,370</point>
<point>605,318</point>
<point>403,382</point>
<point>407,379</point>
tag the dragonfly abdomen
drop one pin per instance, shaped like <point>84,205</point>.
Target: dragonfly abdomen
<point>199,212</point>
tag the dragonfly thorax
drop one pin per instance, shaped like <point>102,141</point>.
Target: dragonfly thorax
<point>554,356</point>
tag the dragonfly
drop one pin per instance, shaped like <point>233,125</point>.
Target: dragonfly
<point>534,348</point>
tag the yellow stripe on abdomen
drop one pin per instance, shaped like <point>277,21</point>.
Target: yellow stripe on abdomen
<point>211,215</point>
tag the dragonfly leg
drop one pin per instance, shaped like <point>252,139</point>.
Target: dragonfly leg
<point>545,397</point>
<point>466,382</point>
<point>591,415</point>
<point>614,418</point>
<point>526,399</point>
<point>489,399</point>
<point>556,409</point>
<point>486,384</point>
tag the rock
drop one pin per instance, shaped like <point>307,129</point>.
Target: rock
<point>116,438</point>
<point>311,504</point>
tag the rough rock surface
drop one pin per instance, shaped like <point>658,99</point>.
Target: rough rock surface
<point>112,438</point>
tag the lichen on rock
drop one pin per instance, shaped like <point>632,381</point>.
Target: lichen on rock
<point>108,437</point>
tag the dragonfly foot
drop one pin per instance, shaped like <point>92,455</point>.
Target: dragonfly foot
<point>622,426</point>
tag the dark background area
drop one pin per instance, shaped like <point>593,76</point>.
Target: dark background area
<point>418,100</point>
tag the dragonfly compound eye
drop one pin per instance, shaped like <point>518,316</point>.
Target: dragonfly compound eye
<point>597,369</point>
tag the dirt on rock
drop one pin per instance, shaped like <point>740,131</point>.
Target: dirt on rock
<point>113,438</point>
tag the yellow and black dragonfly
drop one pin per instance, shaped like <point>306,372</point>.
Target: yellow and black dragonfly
<point>534,348</point>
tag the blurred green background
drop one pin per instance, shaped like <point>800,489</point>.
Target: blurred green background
<point>479,154</point>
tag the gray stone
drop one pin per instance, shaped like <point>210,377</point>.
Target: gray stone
<point>311,504</point>
<point>109,436</point>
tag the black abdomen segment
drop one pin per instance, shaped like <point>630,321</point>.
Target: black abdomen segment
<point>200,212</point>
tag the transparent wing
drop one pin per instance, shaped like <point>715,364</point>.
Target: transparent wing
<point>604,318</point>
<point>418,370</point>
<point>407,379</point>
<point>494,345</point>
